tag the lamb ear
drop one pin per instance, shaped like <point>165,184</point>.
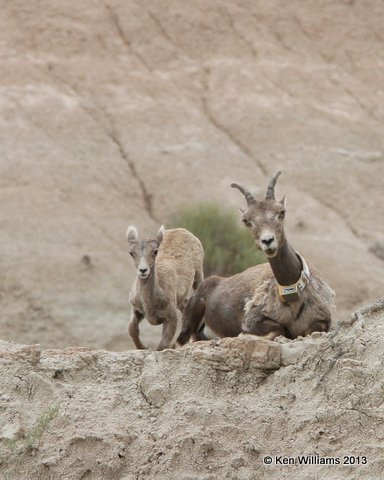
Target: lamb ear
<point>160,234</point>
<point>132,234</point>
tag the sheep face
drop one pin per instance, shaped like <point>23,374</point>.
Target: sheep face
<point>143,252</point>
<point>265,219</point>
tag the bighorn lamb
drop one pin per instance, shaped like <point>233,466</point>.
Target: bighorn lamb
<point>169,268</point>
<point>283,297</point>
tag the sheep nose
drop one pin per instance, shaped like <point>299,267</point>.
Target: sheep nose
<point>267,240</point>
<point>143,270</point>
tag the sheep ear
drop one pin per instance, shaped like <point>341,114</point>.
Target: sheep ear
<point>241,211</point>
<point>283,202</point>
<point>160,234</point>
<point>132,234</point>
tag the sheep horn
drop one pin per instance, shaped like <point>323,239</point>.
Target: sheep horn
<point>248,195</point>
<point>271,187</point>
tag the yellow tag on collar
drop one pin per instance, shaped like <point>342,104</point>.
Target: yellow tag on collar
<point>289,293</point>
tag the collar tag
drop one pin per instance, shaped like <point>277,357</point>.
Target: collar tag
<point>291,293</point>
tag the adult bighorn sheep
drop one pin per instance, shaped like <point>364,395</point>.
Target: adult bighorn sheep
<point>169,268</point>
<point>282,297</point>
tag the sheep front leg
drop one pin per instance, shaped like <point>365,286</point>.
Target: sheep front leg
<point>256,323</point>
<point>133,329</point>
<point>319,326</point>
<point>169,330</point>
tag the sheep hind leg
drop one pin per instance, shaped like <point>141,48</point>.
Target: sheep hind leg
<point>169,330</point>
<point>193,318</point>
<point>200,335</point>
<point>133,329</point>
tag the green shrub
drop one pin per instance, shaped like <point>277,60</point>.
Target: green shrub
<point>31,439</point>
<point>229,247</point>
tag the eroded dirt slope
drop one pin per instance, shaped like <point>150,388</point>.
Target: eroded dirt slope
<point>207,411</point>
<point>116,112</point>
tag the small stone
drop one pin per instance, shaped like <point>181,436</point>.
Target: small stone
<point>238,462</point>
<point>12,431</point>
<point>317,334</point>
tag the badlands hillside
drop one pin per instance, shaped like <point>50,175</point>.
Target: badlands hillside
<point>118,112</point>
<point>121,112</point>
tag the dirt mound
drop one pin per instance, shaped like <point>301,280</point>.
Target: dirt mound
<point>210,410</point>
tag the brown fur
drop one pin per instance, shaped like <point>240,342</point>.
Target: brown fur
<point>249,302</point>
<point>219,303</point>
<point>175,263</point>
<point>266,314</point>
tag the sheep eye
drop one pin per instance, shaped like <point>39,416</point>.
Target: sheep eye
<point>132,254</point>
<point>246,223</point>
<point>281,215</point>
<point>155,253</point>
